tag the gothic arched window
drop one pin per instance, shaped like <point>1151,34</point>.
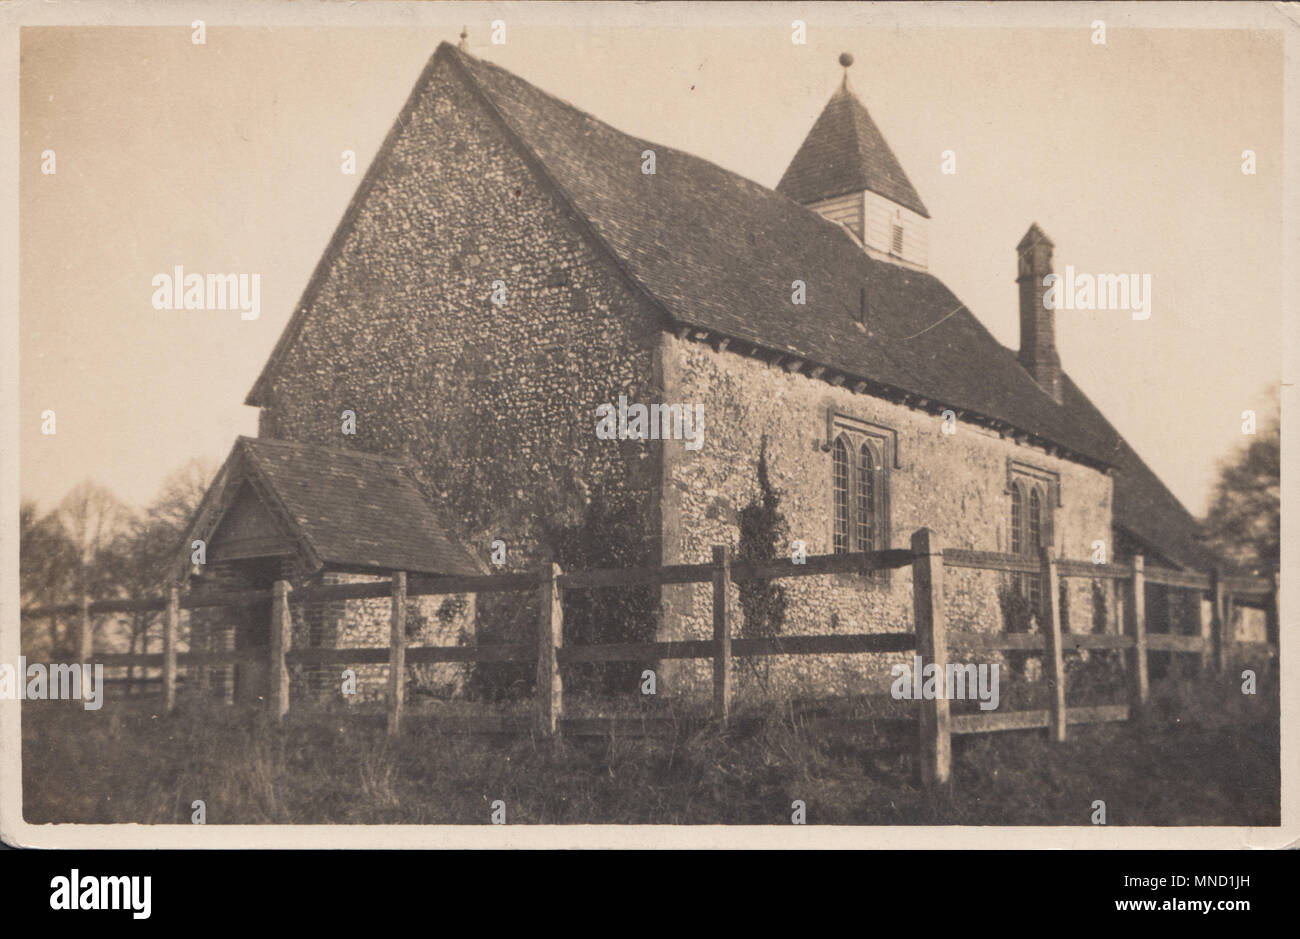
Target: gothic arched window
<point>1032,496</point>
<point>1017,518</point>
<point>840,458</point>
<point>861,455</point>
<point>866,515</point>
<point>1034,541</point>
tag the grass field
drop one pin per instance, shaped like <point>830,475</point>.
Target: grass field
<point>1204,754</point>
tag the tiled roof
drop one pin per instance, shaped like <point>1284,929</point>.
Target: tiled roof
<point>715,251</point>
<point>347,508</point>
<point>719,252</point>
<point>845,152</point>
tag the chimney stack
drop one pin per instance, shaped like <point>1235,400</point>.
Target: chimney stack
<point>1037,322</point>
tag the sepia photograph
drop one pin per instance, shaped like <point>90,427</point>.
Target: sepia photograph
<point>862,417</point>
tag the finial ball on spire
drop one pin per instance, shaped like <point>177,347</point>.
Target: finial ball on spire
<point>846,59</point>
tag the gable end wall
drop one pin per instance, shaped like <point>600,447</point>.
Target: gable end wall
<point>495,403</point>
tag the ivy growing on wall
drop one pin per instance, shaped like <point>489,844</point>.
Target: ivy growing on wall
<point>612,532</point>
<point>1017,617</point>
<point>763,537</point>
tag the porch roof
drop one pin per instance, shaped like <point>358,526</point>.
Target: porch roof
<point>341,508</point>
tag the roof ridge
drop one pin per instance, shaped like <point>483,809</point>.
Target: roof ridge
<point>659,147</point>
<point>506,73</point>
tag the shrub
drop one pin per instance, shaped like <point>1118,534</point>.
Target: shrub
<point>1099,604</point>
<point>612,533</point>
<point>1017,617</point>
<point>509,617</point>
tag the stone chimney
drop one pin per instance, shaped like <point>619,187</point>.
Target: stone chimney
<point>1037,323</point>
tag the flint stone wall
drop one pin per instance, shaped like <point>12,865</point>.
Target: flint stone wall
<point>495,403</point>
<point>955,485</point>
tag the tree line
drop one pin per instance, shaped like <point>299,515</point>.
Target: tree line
<point>94,545</point>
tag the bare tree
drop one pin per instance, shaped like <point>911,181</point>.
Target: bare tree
<point>47,564</point>
<point>136,560</point>
<point>1243,523</point>
<point>181,492</point>
<point>91,516</point>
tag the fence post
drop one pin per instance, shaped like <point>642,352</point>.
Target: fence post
<point>397,654</point>
<point>1052,633</point>
<point>85,632</point>
<point>1213,653</point>
<point>931,645</point>
<point>1137,605</point>
<point>550,637</point>
<point>1229,630</point>
<point>170,628</point>
<point>1125,660</point>
<point>199,674</point>
<point>278,675</point>
<point>721,634</point>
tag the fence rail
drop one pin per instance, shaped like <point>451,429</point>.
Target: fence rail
<point>930,638</point>
<point>1029,720</point>
<point>1254,591</point>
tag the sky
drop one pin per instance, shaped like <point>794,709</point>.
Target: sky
<point>225,157</point>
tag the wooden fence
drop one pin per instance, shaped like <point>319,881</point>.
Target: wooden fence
<point>931,639</point>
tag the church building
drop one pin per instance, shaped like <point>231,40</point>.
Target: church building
<point>509,265</point>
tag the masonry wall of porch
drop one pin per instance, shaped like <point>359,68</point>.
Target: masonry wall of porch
<point>955,485</point>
